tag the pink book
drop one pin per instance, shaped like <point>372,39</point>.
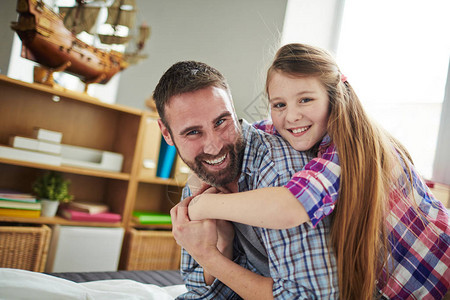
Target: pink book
<point>84,216</point>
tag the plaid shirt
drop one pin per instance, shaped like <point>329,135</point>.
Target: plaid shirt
<point>317,185</point>
<point>300,262</point>
<point>419,242</point>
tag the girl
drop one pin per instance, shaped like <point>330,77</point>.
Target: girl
<point>390,235</point>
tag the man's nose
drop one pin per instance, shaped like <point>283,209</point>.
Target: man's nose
<point>213,144</point>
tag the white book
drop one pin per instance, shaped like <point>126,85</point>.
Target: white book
<point>29,156</point>
<point>91,158</point>
<point>89,207</point>
<point>47,135</point>
<point>35,145</point>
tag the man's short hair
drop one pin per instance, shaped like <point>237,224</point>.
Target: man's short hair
<point>184,77</point>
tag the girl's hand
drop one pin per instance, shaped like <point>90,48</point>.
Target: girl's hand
<point>197,207</point>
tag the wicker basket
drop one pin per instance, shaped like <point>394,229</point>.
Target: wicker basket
<point>24,247</point>
<point>150,250</point>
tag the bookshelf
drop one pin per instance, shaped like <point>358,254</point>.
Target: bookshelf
<point>86,122</point>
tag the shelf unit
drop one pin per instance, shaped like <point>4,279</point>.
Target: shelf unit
<point>86,122</point>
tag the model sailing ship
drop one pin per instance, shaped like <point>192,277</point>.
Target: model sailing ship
<point>50,38</point>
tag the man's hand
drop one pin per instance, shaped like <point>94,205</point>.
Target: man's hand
<point>199,238</point>
<point>225,232</point>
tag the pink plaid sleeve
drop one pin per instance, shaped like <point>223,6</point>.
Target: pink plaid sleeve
<point>266,126</point>
<point>317,185</point>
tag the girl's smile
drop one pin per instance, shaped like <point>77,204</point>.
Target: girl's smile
<point>299,109</point>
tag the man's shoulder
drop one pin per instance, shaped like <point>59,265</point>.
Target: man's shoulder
<point>258,140</point>
<point>262,147</point>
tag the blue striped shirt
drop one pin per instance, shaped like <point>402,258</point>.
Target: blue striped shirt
<point>300,260</point>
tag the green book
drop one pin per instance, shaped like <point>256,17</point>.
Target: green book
<point>20,205</point>
<point>146,217</point>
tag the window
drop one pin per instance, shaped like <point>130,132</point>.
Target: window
<point>395,53</point>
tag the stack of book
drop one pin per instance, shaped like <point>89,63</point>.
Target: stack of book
<point>19,205</point>
<point>89,212</point>
<point>43,147</point>
<point>151,218</point>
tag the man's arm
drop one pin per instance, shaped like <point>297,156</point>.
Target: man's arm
<point>200,284</point>
<point>199,238</point>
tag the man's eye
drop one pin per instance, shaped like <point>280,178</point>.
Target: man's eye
<point>218,123</point>
<point>192,132</point>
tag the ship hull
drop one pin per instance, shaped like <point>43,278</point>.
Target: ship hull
<point>48,42</point>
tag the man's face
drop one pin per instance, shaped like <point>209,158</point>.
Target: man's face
<point>206,134</point>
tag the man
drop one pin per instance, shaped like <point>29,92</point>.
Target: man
<point>198,117</point>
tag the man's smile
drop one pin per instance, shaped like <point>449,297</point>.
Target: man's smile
<point>217,161</point>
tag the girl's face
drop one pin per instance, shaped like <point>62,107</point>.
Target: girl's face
<point>299,109</point>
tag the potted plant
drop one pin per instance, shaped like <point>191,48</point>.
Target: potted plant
<point>51,188</point>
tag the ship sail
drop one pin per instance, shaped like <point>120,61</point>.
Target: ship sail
<point>122,12</point>
<point>113,39</point>
<point>79,18</point>
<point>144,34</point>
<point>83,17</point>
<point>135,57</point>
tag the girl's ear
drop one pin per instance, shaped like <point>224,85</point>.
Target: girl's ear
<point>165,132</point>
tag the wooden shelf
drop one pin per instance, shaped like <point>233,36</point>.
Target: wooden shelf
<point>79,96</point>
<point>66,169</point>
<point>58,220</point>
<point>85,121</point>
<point>157,180</point>
<point>151,226</point>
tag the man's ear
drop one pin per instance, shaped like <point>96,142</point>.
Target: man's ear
<point>165,132</point>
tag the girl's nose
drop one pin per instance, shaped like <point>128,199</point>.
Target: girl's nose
<point>293,114</point>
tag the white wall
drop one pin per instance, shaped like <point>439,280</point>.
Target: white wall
<point>7,15</point>
<point>313,22</point>
<point>441,167</point>
<point>236,37</point>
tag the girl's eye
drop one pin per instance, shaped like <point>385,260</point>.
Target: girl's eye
<point>305,100</point>
<point>278,105</point>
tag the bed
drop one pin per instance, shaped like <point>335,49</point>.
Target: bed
<point>22,284</point>
<point>159,277</point>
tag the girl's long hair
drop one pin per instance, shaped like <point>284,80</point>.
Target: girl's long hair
<point>368,155</point>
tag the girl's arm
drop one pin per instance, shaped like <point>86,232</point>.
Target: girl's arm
<point>309,196</point>
<point>272,207</point>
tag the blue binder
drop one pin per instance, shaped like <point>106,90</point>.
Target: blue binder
<point>166,158</point>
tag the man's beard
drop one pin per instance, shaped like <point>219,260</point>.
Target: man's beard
<point>225,176</point>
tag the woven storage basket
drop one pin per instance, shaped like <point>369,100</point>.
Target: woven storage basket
<point>24,247</point>
<point>151,250</point>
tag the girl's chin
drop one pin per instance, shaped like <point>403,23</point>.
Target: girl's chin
<point>302,146</point>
